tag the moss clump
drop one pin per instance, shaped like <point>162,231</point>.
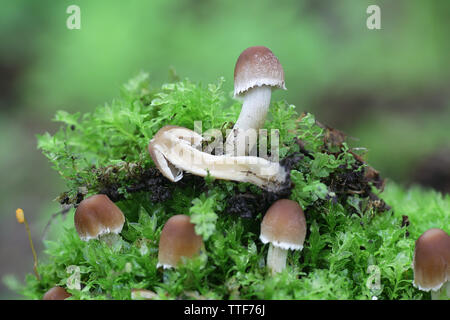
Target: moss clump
<point>356,246</point>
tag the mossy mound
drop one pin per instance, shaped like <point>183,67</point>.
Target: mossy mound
<point>359,243</point>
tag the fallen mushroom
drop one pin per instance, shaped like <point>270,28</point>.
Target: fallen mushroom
<point>257,72</point>
<point>284,227</point>
<point>56,293</point>
<point>176,149</point>
<point>97,217</point>
<point>178,239</point>
<point>431,263</point>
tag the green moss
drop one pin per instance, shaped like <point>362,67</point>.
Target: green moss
<point>350,247</point>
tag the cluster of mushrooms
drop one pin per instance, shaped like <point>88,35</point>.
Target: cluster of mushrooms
<point>283,226</point>
<point>176,149</point>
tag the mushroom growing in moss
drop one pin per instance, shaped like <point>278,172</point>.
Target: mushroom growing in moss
<point>174,149</point>
<point>284,227</point>
<point>431,263</point>
<point>178,239</point>
<point>257,72</point>
<point>98,217</point>
<point>56,293</point>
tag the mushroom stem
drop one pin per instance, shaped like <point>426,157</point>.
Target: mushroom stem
<point>276,258</point>
<point>253,115</point>
<point>442,293</point>
<point>255,107</point>
<point>112,240</point>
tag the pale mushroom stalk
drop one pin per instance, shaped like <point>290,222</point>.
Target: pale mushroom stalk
<point>256,102</point>
<point>276,258</point>
<point>254,109</point>
<point>112,240</point>
<point>174,150</point>
<point>442,293</point>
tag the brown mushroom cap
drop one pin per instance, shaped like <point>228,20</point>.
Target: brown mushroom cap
<point>257,66</point>
<point>178,239</point>
<point>98,215</point>
<point>432,260</point>
<point>56,293</point>
<point>284,225</point>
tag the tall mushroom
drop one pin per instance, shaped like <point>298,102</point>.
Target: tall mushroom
<point>174,149</point>
<point>284,227</point>
<point>257,72</point>
<point>98,217</point>
<point>431,263</point>
<point>178,239</point>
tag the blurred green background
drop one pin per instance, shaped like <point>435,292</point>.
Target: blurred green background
<point>388,88</point>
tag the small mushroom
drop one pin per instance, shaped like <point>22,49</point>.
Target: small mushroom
<point>56,293</point>
<point>284,227</point>
<point>257,72</point>
<point>174,149</point>
<point>431,263</point>
<point>178,239</point>
<point>97,216</point>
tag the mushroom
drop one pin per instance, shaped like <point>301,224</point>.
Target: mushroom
<point>284,227</point>
<point>178,239</point>
<point>257,72</point>
<point>431,263</point>
<point>56,293</point>
<point>97,217</point>
<point>174,149</point>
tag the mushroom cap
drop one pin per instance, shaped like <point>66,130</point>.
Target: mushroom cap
<point>432,260</point>
<point>257,66</point>
<point>56,293</point>
<point>97,215</point>
<point>284,225</point>
<point>161,141</point>
<point>178,239</point>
